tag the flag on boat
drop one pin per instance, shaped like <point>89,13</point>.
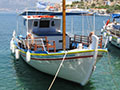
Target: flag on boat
<point>107,22</point>
<point>41,5</point>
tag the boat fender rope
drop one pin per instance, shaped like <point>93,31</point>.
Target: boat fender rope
<point>57,71</point>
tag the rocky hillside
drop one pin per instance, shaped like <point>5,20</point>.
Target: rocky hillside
<point>12,5</point>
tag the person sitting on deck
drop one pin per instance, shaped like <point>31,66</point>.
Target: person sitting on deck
<point>90,37</point>
<point>28,44</point>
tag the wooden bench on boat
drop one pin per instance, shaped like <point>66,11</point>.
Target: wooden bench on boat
<point>43,42</point>
<point>86,41</point>
<point>81,39</point>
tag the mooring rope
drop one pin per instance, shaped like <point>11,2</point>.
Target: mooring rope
<point>110,68</point>
<point>57,72</point>
<point>106,42</point>
<point>109,62</point>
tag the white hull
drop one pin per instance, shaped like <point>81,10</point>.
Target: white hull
<point>115,39</point>
<point>76,70</point>
<point>114,42</point>
<point>43,37</point>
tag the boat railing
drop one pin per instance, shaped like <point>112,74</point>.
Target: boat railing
<point>37,42</point>
<point>115,32</point>
<point>81,39</point>
<point>41,42</point>
<point>85,40</point>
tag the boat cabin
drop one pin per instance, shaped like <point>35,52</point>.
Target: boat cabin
<point>46,26</point>
<point>46,35</point>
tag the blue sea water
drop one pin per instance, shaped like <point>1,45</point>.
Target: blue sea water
<point>17,75</point>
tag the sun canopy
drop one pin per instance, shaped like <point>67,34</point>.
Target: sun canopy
<point>51,13</point>
<point>115,15</point>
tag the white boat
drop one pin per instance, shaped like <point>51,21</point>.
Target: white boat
<point>111,30</point>
<point>43,48</point>
<point>102,14</point>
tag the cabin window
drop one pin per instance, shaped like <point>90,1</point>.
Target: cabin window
<point>35,23</point>
<point>53,23</point>
<point>44,24</point>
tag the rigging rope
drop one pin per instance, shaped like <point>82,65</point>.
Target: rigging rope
<point>82,24</point>
<point>91,20</point>
<point>57,72</point>
<point>72,28</point>
<point>89,27</point>
<point>94,23</point>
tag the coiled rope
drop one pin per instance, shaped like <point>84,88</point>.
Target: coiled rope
<point>57,72</point>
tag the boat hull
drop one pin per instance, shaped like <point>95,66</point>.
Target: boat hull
<point>114,42</point>
<point>76,67</point>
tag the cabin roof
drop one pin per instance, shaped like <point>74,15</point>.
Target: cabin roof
<point>56,13</point>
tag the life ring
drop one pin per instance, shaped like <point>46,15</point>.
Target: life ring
<point>29,36</point>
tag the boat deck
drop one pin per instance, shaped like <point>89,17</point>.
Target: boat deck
<point>42,43</point>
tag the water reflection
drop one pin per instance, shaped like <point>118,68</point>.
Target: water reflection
<point>29,78</point>
<point>113,50</point>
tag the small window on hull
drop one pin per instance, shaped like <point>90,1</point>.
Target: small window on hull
<point>44,24</point>
<point>35,23</point>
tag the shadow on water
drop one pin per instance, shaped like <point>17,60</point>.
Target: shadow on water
<point>114,53</point>
<point>114,59</point>
<point>113,50</point>
<point>29,78</point>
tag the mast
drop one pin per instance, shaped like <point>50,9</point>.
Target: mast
<point>64,25</point>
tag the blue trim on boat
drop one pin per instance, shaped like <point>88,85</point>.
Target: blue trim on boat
<point>52,13</point>
<point>49,34</point>
<point>116,27</point>
<point>115,15</point>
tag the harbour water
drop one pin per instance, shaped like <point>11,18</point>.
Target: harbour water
<point>17,75</point>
